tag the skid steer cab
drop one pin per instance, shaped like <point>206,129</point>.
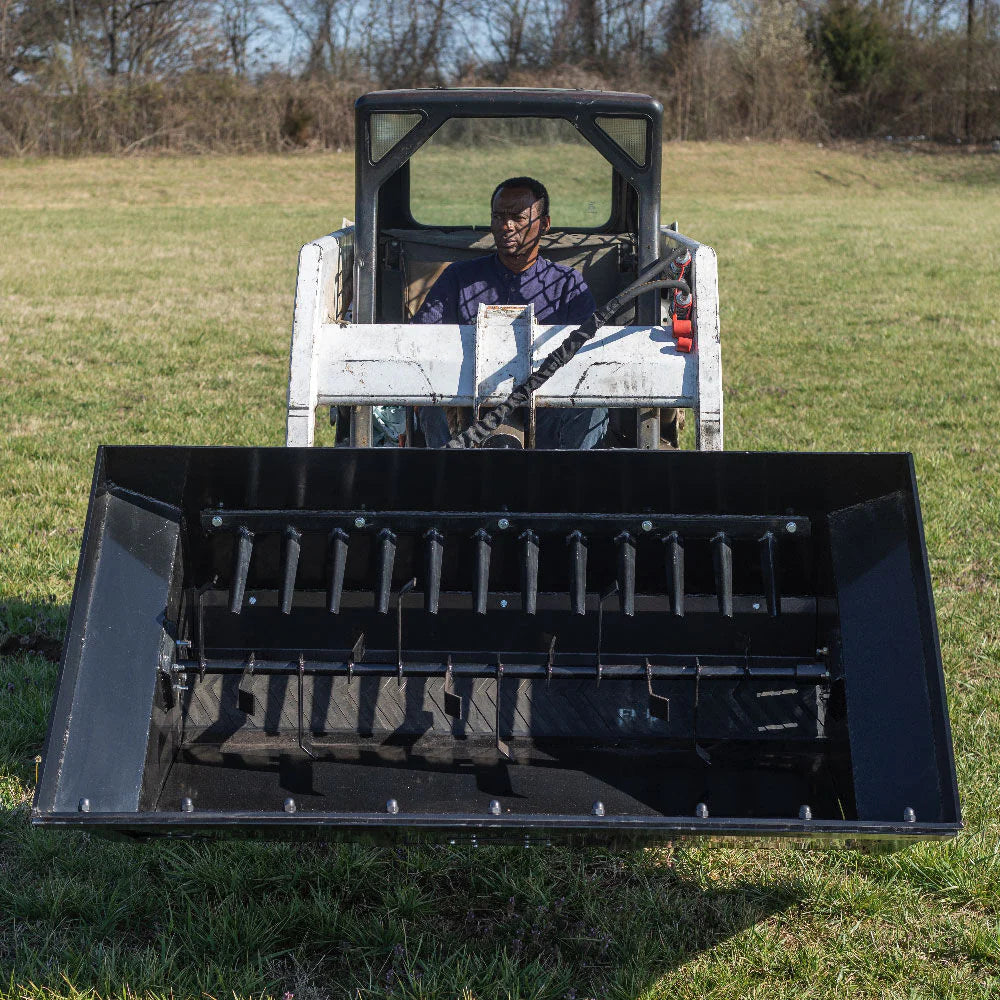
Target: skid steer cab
<point>427,164</point>
<point>466,643</point>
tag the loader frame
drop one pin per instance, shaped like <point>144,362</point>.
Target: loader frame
<point>345,354</point>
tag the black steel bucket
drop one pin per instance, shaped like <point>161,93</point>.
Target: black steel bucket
<point>506,645</point>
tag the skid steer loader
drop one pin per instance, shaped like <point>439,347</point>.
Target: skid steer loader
<point>623,644</point>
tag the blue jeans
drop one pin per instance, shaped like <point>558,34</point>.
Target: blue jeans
<point>554,428</point>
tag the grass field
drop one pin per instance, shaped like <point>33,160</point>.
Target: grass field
<point>149,300</point>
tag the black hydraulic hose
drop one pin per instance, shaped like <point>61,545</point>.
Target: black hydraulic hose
<point>479,431</point>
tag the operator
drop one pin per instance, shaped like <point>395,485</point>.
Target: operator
<point>516,275</point>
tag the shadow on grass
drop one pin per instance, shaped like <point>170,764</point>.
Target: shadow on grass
<point>315,920</point>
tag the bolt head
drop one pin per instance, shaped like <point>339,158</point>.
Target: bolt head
<point>791,527</point>
<point>359,522</point>
<point>290,806</point>
<point>909,816</point>
<point>187,805</point>
<point>647,525</point>
<point>216,521</point>
<point>495,808</point>
<point>701,810</point>
<point>503,602</point>
<point>597,808</point>
<point>392,807</point>
<point>805,813</point>
<point>84,805</point>
<point>503,524</point>
<point>252,600</point>
<point>756,606</point>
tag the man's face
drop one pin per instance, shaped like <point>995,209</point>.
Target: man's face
<point>517,225</point>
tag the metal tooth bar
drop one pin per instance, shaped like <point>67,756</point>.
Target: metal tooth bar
<point>769,572</point>
<point>386,557</point>
<point>241,567</point>
<point>801,673</point>
<point>577,572</point>
<point>481,582</point>
<point>529,571</point>
<point>290,566</point>
<point>626,573</point>
<point>432,585</point>
<point>674,552</point>
<point>722,558</point>
<point>748,526</point>
<point>338,563</point>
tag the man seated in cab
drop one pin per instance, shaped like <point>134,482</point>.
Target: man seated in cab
<point>516,275</point>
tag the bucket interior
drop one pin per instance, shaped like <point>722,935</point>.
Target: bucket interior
<point>366,636</point>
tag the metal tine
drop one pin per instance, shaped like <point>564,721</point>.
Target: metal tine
<point>529,571</point>
<point>339,540</point>
<point>722,559</point>
<point>577,572</point>
<point>674,552</point>
<point>302,680</point>
<point>246,701</point>
<point>241,566</point>
<point>405,589</point>
<point>481,582</point>
<point>386,557</point>
<point>435,553</point>
<point>452,699</point>
<point>290,566</point>
<point>626,572</point>
<point>769,572</point>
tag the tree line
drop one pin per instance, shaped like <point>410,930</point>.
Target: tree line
<point>80,76</point>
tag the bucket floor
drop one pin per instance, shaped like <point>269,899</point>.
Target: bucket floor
<point>360,776</point>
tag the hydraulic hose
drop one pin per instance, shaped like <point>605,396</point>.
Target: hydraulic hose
<point>479,431</point>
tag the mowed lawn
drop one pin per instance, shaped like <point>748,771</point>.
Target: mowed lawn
<point>149,301</point>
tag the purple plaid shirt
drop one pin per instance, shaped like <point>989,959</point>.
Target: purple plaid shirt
<point>558,293</point>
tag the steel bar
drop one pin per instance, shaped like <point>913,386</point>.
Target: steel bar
<point>338,564</point>
<point>749,526</point>
<point>529,571</point>
<point>804,672</point>
<point>241,567</point>
<point>722,559</point>
<point>481,580</point>
<point>290,567</point>
<point>626,573</point>
<point>769,573</point>
<point>673,546</point>
<point>432,584</point>
<point>386,558</point>
<point>577,572</point>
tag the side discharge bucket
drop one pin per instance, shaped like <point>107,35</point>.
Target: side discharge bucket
<point>492,644</point>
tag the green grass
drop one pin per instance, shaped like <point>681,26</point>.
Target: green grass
<point>149,300</point>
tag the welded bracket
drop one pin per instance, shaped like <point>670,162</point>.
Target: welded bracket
<point>502,350</point>
<point>659,706</point>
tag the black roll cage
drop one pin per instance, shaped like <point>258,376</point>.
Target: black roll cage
<point>382,188</point>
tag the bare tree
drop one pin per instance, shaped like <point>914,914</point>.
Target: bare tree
<point>409,41</point>
<point>242,21</point>
<point>331,33</point>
